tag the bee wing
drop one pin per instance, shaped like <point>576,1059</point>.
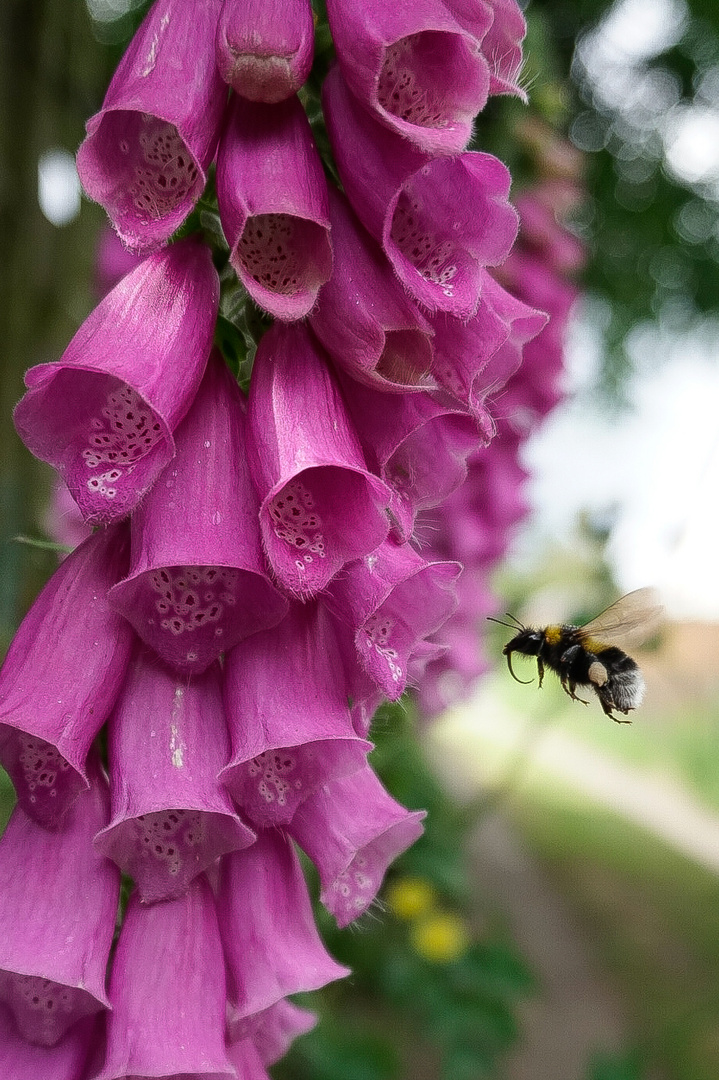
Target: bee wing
<point>630,620</point>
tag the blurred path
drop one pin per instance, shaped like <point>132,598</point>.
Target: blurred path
<point>575,1011</point>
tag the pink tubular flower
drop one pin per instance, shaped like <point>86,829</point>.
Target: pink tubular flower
<point>393,599</point>
<point>501,44</point>
<point>352,830</point>
<point>147,151</point>
<point>439,220</point>
<point>62,520</point>
<point>57,918</point>
<point>416,443</point>
<point>103,415</point>
<point>320,506</point>
<point>363,317</point>
<point>264,48</point>
<point>415,66</point>
<point>67,1060</point>
<point>272,196</point>
<point>272,1031</point>
<point>272,947</point>
<point>168,992</point>
<point>286,703</point>
<point>197,583</point>
<point>61,676</point>
<point>170,818</point>
<point>473,360</point>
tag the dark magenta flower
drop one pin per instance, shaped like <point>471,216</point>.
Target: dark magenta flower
<point>104,414</point>
<point>167,741</point>
<point>271,1031</point>
<point>61,677</point>
<point>286,700</point>
<point>393,599</point>
<point>500,44</point>
<point>197,583</point>
<point>473,360</point>
<point>415,66</point>
<point>265,47</point>
<point>272,196</point>
<point>272,947</point>
<point>417,443</point>
<point>352,829</point>
<point>167,991</point>
<point>439,220</point>
<point>321,507</point>
<point>363,316</point>
<point>57,918</point>
<point>147,151</point>
<point>67,1060</point>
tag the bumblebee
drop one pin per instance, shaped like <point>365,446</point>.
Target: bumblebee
<point>589,655</point>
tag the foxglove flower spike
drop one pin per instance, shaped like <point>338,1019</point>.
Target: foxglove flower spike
<point>439,220</point>
<point>271,943</point>
<point>363,316</point>
<point>57,918</point>
<point>104,414</point>
<point>147,151</point>
<point>168,992</point>
<point>285,697</point>
<point>272,196</point>
<point>321,507</point>
<point>61,676</point>
<point>197,583</point>
<point>352,830</point>
<point>265,47</point>
<point>414,66</point>
<point>167,741</point>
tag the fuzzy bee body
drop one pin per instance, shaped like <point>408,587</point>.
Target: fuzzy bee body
<point>587,656</point>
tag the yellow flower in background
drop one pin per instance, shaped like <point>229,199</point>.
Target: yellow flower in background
<point>408,897</point>
<point>441,937</point>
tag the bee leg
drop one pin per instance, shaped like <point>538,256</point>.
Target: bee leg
<point>572,694</point>
<point>540,671</point>
<point>607,707</point>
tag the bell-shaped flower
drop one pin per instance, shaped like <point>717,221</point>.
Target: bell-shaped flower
<point>147,151</point>
<point>67,1060</point>
<point>272,1031</point>
<point>62,520</point>
<point>474,359</point>
<point>61,676</point>
<point>272,197</point>
<point>320,506</point>
<point>104,414</point>
<point>501,45</point>
<point>58,906</point>
<point>264,48</point>
<point>168,992</point>
<point>272,946</point>
<point>450,676</point>
<point>363,316</point>
<point>352,830</point>
<point>393,599</point>
<point>285,694</point>
<point>415,66</point>
<point>439,220</point>
<point>246,1059</point>
<point>416,443</point>
<point>167,741</point>
<point>197,583</point>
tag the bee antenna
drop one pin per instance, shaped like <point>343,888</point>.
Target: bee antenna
<point>524,682</point>
<point>514,625</point>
